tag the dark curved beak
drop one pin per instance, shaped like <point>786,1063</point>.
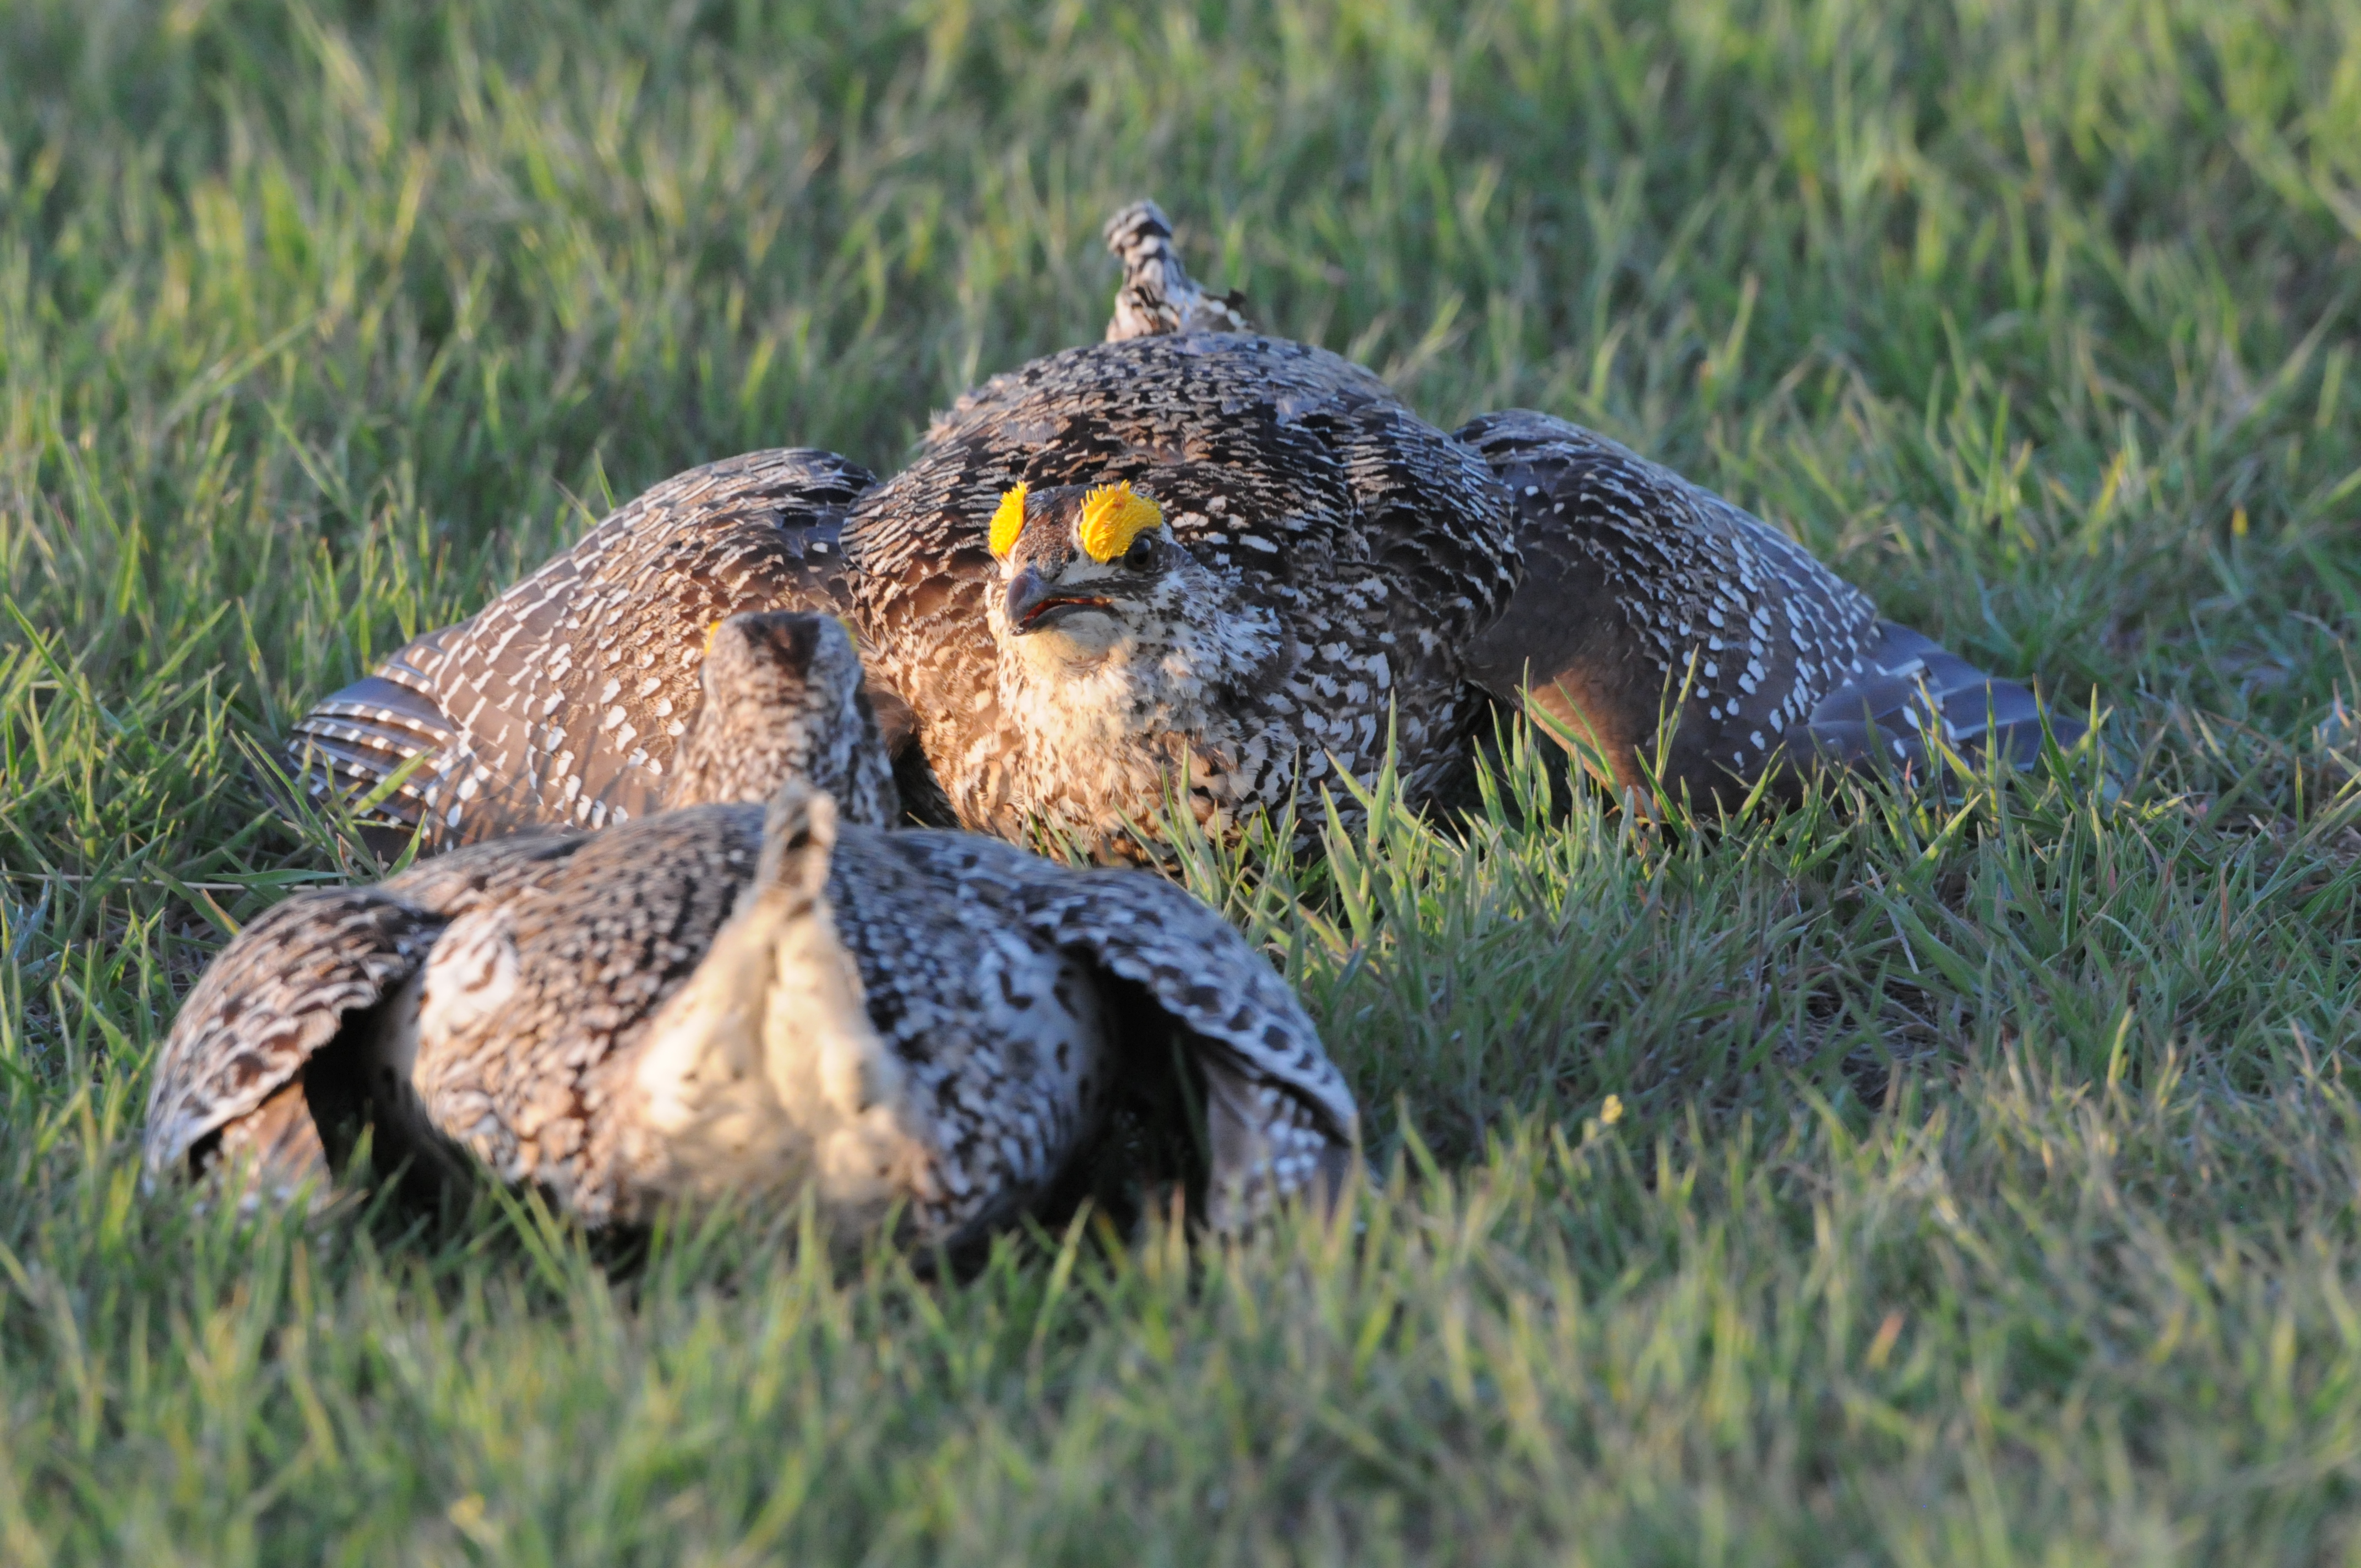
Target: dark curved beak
<point>1034,604</point>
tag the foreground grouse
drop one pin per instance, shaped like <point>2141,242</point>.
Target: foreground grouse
<point>1192,562</point>
<point>730,1000</point>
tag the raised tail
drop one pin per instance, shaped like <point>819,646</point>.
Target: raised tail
<point>1157,295</point>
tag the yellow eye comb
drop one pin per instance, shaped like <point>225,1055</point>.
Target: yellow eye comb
<point>1009,520</point>
<point>1112,516</point>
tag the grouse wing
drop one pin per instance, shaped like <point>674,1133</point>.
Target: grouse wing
<point>1644,594</point>
<point>562,701</point>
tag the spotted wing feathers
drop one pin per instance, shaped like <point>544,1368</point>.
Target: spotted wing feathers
<point>279,993</point>
<point>560,701</point>
<point>480,875</point>
<point>1641,586</point>
<point>1279,1114</point>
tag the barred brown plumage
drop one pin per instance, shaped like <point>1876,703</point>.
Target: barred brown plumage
<point>726,1000</point>
<point>1330,576</point>
<point>784,689</point>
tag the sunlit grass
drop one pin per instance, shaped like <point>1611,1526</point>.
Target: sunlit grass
<point>1984,1185</point>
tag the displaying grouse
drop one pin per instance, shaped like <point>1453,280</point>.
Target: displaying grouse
<point>1191,563</point>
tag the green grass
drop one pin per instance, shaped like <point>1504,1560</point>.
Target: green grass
<point>1985,1184</point>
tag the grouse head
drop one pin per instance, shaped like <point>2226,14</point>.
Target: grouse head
<point>1107,625</point>
<point>784,701</point>
<point>1089,564</point>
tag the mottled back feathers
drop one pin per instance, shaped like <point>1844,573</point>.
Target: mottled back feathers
<point>280,992</point>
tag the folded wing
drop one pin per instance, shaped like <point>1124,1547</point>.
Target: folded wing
<point>1911,690</point>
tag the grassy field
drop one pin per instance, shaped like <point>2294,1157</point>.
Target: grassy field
<point>1979,1183</point>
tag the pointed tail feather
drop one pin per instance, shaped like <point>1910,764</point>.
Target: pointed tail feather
<point>1157,295</point>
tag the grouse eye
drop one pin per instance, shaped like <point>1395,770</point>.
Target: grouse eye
<point>1147,553</point>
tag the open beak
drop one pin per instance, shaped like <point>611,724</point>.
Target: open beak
<point>1035,605</point>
